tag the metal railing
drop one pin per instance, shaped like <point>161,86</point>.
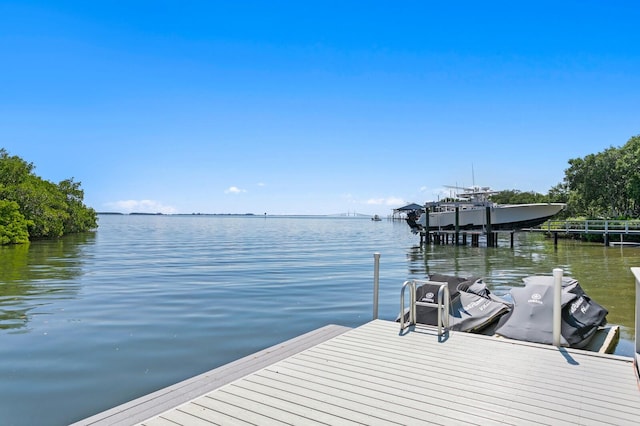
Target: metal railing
<point>443,299</point>
<point>376,283</point>
<point>589,226</point>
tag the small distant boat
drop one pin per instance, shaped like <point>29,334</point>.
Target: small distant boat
<point>471,206</point>
<point>376,218</point>
<point>624,243</point>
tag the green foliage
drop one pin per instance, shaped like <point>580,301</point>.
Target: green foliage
<point>13,225</point>
<point>50,210</point>
<point>79,217</point>
<point>606,184</point>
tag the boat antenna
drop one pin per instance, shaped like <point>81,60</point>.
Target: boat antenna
<point>473,177</point>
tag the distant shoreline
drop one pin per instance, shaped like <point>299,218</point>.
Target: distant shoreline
<point>336,216</point>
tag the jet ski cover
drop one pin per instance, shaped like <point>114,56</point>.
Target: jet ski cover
<point>476,308</point>
<point>532,316</point>
<point>472,306</point>
<point>429,293</point>
<point>581,318</point>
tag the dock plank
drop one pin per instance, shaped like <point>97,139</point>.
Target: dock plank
<point>374,374</point>
<point>546,377</point>
<point>234,411</point>
<point>256,411</point>
<point>164,399</point>
<point>493,380</point>
<point>297,408</point>
<point>441,391</point>
<point>460,368</point>
<point>398,402</point>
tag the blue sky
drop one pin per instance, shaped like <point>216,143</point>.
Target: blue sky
<point>312,107</point>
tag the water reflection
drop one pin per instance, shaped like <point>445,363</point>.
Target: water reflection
<point>31,274</point>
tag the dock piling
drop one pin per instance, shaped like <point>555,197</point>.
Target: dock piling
<point>457,235</point>
<point>557,305</point>
<point>490,235</point>
<point>376,283</point>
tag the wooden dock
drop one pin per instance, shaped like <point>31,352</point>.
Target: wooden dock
<point>376,376</point>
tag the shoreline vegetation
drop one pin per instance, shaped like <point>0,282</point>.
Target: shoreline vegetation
<point>605,185</point>
<point>32,208</point>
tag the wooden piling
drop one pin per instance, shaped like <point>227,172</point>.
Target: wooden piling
<point>489,230</point>
<point>457,224</point>
<point>426,226</point>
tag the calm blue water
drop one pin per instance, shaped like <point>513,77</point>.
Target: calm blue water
<point>92,321</point>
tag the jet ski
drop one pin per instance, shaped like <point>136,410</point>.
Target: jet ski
<point>472,308</point>
<point>531,318</point>
<point>477,310</point>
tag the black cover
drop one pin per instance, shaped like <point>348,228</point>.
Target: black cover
<point>581,318</point>
<point>531,319</point>
<point>532,316</point>
<point>472,306</point>
<point>476,308</point>
<point>429,293</point>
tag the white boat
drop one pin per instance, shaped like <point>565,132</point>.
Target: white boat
<point>376,218</point>
<point>475,211</point>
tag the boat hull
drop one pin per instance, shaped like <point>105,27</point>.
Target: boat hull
<point>503,217</point>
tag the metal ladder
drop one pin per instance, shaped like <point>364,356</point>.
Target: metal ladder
<point>442,304</point>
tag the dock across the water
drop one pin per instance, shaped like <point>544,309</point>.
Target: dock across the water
<point>374,374</point>
<point>608,230</point>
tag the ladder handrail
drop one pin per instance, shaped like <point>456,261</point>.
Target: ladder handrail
<point>412,296</point>
<point>442,304</point>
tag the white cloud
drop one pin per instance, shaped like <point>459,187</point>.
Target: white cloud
<point>140,206</point>
<point>234,190</point>
<point>437,193</point>
<point>389,201</point>
<point>375,201</point>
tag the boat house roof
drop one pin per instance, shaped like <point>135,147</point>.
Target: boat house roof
<point>409,207</point>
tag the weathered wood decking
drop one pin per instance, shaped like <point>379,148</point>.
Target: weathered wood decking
<point>373,375</point>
